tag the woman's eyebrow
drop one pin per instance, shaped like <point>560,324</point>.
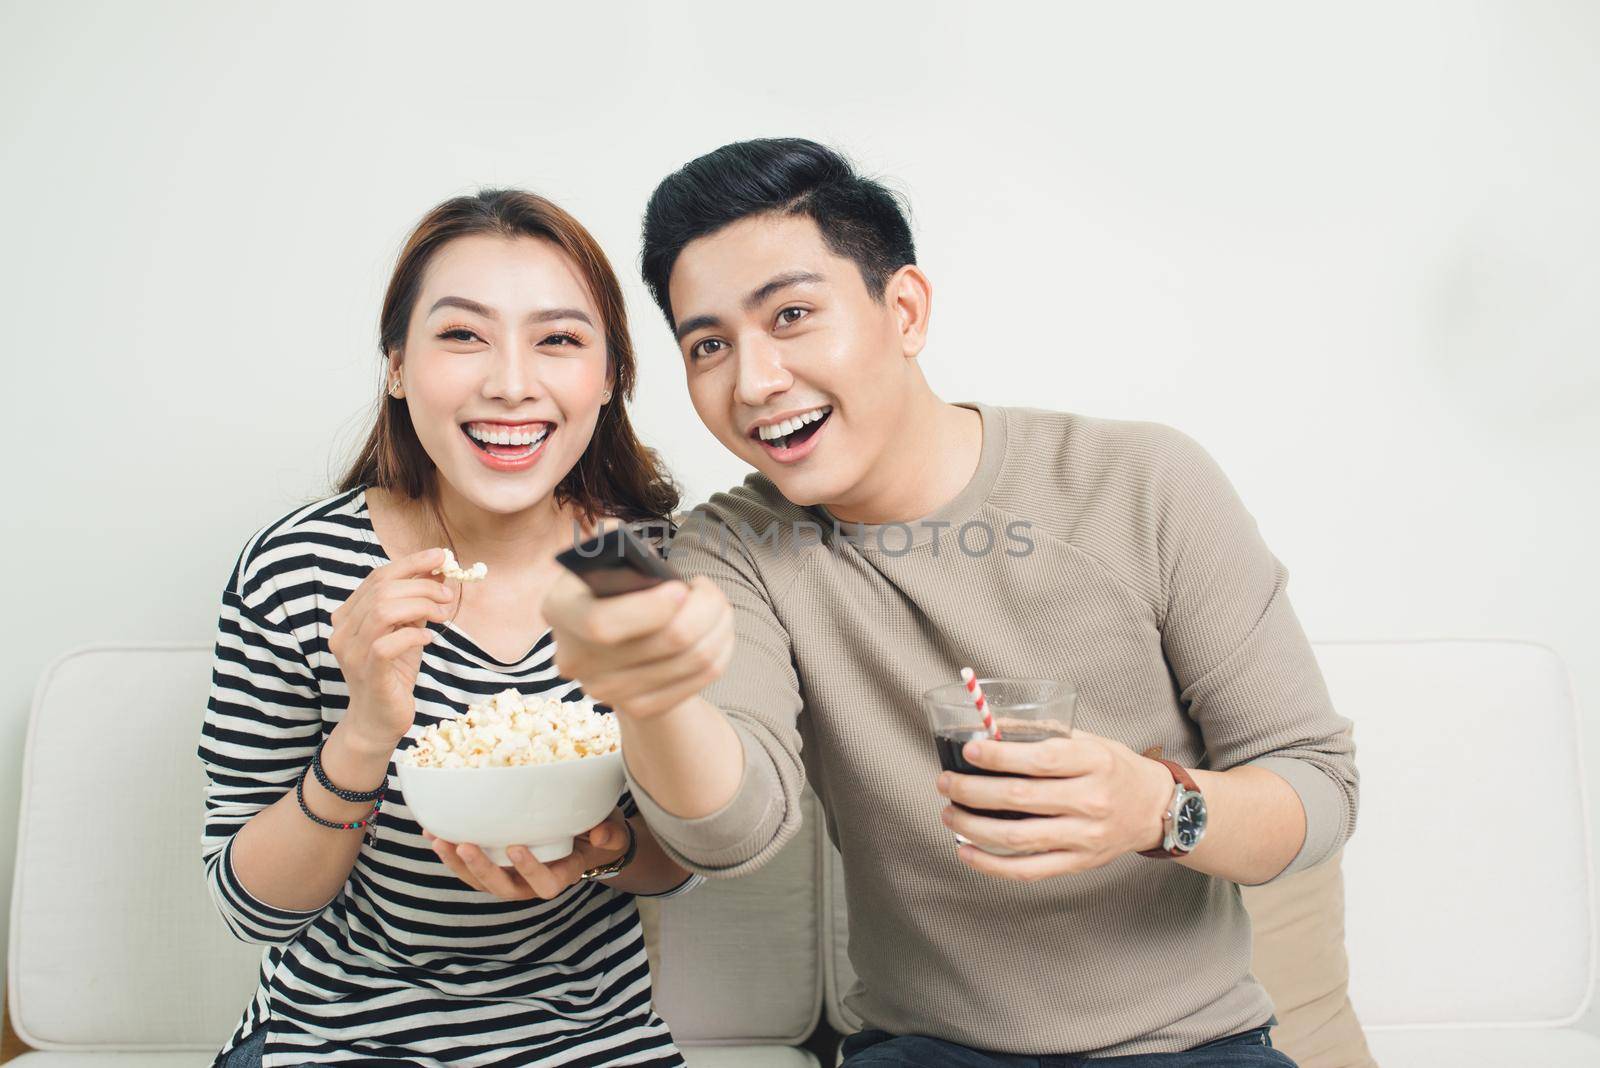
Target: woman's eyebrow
<point>560,313</point>
<point>487,312</point>
<point>467,305</point>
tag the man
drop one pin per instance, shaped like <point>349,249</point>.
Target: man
<point>890,538</point>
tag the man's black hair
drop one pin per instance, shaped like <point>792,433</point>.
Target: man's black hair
<point>859,218</point>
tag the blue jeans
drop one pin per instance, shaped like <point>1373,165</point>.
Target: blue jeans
<point>247,1054</point>
<point>879,1049</point>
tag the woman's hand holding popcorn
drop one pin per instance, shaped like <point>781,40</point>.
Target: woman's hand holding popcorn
<point>378,637</point>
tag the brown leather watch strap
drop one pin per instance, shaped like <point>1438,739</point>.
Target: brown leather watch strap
<point>1179,775</point>
<point>1179,772</point>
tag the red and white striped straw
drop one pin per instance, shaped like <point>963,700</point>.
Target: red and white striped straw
<point>983,705</point>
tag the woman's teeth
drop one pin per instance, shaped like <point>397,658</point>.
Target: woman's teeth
<point>490,434</point>
<point>789,426</point>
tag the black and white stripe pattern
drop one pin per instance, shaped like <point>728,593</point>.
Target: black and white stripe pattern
<point>407,965</point>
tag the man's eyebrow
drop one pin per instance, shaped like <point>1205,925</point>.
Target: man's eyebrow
<point>489,313</point>
<point>698,322</point>
<point>757,297</point>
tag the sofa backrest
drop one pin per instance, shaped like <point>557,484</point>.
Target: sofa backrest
<point>739,959</point>
<point>110,912</point>
<point>114,941</point>
<point>1467,884</point>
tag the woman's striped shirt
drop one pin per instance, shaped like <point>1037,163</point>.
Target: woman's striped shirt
<point>407,965</point>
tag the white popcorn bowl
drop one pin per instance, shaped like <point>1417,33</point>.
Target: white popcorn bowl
<point>541,806</point>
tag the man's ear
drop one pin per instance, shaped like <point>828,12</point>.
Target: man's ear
<point>909,295</point>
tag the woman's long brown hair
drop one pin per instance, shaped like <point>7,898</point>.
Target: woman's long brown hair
<point>616,475</point>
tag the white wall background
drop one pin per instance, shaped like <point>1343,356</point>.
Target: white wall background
<point>1350,248</point>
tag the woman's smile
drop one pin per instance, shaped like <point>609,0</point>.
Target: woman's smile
<point>508,446</point>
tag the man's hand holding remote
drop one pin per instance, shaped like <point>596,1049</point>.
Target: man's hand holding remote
<point>647,655</point>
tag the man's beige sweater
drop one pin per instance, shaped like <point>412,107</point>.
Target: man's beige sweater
<point>1122,562</point>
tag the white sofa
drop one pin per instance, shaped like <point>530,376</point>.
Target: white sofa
<point>1470,925</point>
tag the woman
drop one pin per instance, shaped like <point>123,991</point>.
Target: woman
<point>501,431</point>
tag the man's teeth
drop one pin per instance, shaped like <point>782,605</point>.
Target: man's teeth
<point>789,426</point>
<point>502,435</point>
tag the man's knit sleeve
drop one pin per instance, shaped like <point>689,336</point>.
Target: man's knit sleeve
<point>760,695</point>
<point>1246,672</point>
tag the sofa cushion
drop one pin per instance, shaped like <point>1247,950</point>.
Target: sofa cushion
<point>747,1057</point>
<point>1297,952</point>
<point>113,1060</point>
<point>1486,1048</point>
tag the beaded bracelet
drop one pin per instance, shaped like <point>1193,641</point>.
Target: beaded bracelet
<point>369,821</point>
<point>327,783</point>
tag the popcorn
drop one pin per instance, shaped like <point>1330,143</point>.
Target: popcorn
<point>453,569</point>
<point>510,730</point>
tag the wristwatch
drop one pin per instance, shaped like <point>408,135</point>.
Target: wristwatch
<point>606,871</point>
<point>1184,823</point>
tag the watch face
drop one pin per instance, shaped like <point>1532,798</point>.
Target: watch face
<point>1191,822</point>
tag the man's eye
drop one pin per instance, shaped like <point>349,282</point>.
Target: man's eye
<point>709,347</point>
<point>792,315</point>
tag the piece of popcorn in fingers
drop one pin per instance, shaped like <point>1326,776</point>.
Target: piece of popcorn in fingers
<point>452,569</point>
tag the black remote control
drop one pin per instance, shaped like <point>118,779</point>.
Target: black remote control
<point>617,562</point>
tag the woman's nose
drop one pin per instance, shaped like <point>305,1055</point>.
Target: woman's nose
<point>512,376</point>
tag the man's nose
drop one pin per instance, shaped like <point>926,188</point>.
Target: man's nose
<point>762,374</point>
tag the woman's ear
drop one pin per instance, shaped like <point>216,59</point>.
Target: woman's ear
<point>909,295</point>
<point>392,383</point>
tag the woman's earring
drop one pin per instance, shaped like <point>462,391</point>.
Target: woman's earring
<point>394,388</point>
<point>605,398</point>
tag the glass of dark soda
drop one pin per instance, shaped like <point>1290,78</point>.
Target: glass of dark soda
<point>1024,710</point>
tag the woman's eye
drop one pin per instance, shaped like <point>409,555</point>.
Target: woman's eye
<point>709,347</point>
<point>562,339</point>
<point>792,315</point>
<point>458,334</point>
